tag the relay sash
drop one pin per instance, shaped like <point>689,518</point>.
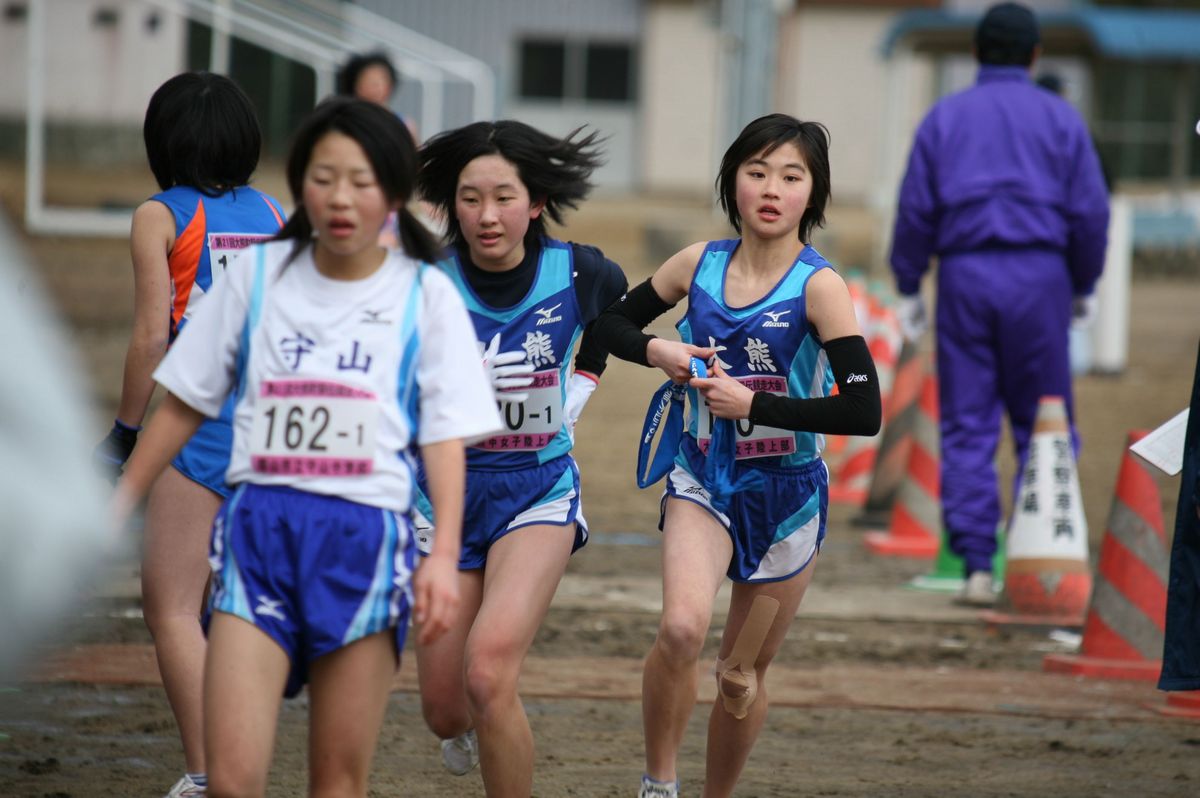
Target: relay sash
<point>666,411</point>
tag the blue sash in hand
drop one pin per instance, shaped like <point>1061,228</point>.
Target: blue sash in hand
<point>666,410</point>
<point>719,464</point>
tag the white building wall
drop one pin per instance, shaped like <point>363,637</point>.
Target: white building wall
<point>831,70</point>
<point>680,90</point>
<point>95,73</point>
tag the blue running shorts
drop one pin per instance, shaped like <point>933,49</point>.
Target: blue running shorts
<point>313,572</point>
<point>205,457</point>
<point>776,531</point>
<point>498,502</point>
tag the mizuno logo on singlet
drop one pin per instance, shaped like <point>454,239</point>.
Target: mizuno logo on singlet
<point>269,607</point>
<point>374,317</point>
<point>547,315</point>
<point>775,316</point>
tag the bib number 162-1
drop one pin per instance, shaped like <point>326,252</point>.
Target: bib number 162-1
<point>313,428</point>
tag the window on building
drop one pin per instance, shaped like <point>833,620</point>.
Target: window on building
<point>543,69</point>
<point>594,71</point>
<point>1143,119</point>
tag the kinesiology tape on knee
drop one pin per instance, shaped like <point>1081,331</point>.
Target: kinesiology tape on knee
<point>737,681</point>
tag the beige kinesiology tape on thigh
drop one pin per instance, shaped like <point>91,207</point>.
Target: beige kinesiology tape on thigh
<point>737,681</point>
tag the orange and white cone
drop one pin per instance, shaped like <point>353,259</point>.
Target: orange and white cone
<point>915,528</point>
<point>901,406</point>
<point>854,456</point>
<point>1123,636</point>
<point>1048,578</point>
<point>1182,704</point>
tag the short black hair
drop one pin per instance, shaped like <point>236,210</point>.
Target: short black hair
<point>389,147</point>
<point>347,76</point>
<point>1007,35</point>
<point>201,131</point>
<point>766,134</point>
<point>555,171</point>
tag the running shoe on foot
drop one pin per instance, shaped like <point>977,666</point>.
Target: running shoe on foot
<point>460,754</point>
<point>978,590</point>
<point>658,789</point>
<point>186,788</point>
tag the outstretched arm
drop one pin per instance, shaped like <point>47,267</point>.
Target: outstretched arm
<point>620,327</point>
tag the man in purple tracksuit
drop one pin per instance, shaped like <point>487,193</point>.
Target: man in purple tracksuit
<point>1005,188</point>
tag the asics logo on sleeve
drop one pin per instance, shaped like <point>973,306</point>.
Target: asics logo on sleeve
<point>775,316</point>
<point>547,315</point>
<point>856,378</point>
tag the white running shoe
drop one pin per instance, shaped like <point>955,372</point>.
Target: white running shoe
<point>658,789</point>
<point>460,754</point>
<point>978,591</point>
<point>186,788</point>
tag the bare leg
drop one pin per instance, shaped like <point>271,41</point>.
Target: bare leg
<point>349,696</point>
<point>729,739</point>
<point>244,676</point>
<point>523,571</point>
<point>179,518</point>
<point>696,552</point>
<point>440,668</point>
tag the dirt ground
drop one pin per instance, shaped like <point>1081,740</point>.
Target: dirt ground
<point>906,698</point>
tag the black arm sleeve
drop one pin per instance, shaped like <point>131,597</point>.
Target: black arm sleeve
<point>598,283</point>
<point>856,410</point>
<point>619,329</point>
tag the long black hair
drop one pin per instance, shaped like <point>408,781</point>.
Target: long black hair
<point>388,146</point>
<point>555,171</point>
<point>201,131</point>
<point>766,134</point>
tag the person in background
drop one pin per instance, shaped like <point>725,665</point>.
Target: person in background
<point>202,142</point>
<point>1005,189</point>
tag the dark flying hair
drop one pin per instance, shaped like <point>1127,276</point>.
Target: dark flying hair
<point>347,76</point>
<point>1007,35</point>
<point>766,134</point>
<point>201,131</point>
<point>555,171</point>
<point>388,146</point>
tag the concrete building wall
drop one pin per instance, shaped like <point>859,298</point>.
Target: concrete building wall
<point>492,31</point>
<point>831,70</point>
<point>680,91</point>
<point>103,59</point>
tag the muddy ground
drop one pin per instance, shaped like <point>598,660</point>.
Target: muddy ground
<point>869,703</point>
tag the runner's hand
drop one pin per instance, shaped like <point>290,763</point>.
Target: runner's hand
<point>110,454</point>
<point>507,370</point>
<point>435,597</point>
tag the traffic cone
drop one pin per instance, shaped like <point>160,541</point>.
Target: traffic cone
<point>850,476</point>
<point>1048,578</point>
<point>916,515</point>
<point>1123,636</point>
<point>1182,704</point>
<point>901,407</point>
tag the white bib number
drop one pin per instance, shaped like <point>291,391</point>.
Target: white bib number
<point>223,246</point>
<point>752,440</point>
<point>313,428</point>
<point>532,424</point>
